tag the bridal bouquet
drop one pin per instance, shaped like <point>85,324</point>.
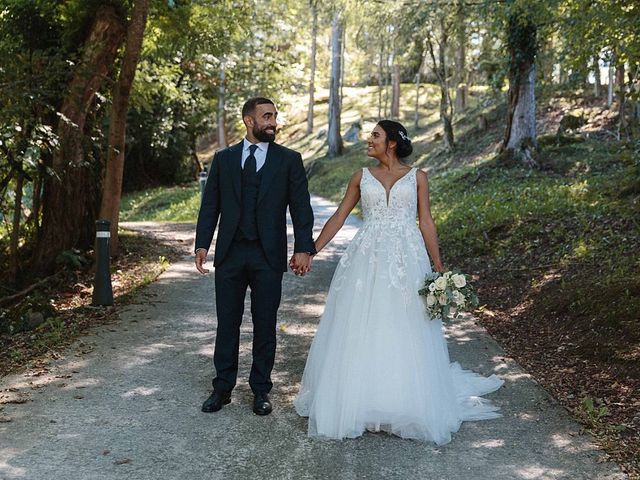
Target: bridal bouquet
<point>447,294</point>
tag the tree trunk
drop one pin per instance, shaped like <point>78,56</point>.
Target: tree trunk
<point>461,60</point>
<point>610,86</point>
<point>334,136</point>
<point>446,108</point>
<point>440,69</point>
<point>596,77</point>
<point>343,44</point>
<point>312,79</point>
<point>633,85</point>
<point>14,263</point>
<point>416,116</point>
<point>65,204</point>
<point>395,86</point>
<point>416,113</point>
<point>622,99</point>
<point>112,192</point>
<point>387,72</point>
<point>395,91</point>
<point>221,118</point>
<point>380,82</point>
<point>620,77</point>
<point>561,74</point>
<point>36,197</point>
<point>522,104</point>
<point>520,134</point>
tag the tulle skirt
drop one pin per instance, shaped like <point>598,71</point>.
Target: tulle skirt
<point>378,362</point>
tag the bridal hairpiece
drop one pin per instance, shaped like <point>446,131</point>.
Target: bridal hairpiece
<point>403,135</point>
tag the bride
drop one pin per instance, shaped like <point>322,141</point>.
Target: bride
<point>378,362</point>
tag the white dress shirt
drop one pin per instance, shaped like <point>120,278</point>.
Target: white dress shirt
<point>261,153</point>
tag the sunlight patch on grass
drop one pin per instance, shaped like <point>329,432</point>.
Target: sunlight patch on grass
<point>167,204</point>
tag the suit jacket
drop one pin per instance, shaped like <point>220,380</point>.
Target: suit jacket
<point>284,184</point>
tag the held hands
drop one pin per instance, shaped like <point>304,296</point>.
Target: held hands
<point>300,263</point>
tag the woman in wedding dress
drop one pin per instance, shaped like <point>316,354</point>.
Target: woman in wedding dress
<point>378,362</point>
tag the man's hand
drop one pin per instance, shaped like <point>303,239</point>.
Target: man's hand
<point>300,263</point>
<point>201,259</point>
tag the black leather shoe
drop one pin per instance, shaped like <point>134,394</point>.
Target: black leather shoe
<point>261,404</point>
<point>215,401</point>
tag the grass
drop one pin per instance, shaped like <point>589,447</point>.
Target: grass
<point>162,204</point>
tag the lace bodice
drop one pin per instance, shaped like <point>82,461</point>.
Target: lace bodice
<point>389,239</point>
<point>400,207</point>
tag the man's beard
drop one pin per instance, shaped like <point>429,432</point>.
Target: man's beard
<point>262,135</point>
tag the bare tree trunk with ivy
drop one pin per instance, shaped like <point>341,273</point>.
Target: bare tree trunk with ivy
<point>112,192</point>
<point>334,136</point>
<point>520,133</point>
<point>312,79</point>
<point>65,199</point>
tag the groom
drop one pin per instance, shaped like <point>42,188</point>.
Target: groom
<point>249,188</point>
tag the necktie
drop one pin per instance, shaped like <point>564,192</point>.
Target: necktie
<point>250,162</point>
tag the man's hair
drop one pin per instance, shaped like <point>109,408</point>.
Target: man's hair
<point>250,105</point>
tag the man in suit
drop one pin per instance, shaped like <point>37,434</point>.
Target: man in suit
<point>249,188</point>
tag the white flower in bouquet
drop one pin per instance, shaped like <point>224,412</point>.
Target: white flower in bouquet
<point>447,294</point>
<point>441,283</point>
<point>458,280</point>
<point>458,297</point>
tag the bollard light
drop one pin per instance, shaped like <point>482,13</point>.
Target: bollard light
<point>102,291</point>
<point>202,178</point>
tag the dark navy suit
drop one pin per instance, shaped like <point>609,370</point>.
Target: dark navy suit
<point>249,211</point>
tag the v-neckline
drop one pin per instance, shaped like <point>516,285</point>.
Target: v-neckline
<point>388,192</point>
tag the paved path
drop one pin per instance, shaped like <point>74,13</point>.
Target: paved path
<point>124,402</point>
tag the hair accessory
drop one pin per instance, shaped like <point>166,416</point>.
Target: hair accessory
<point>403,135</point>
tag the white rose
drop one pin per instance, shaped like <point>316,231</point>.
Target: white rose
<point>431,299</point>
<point>432,287</point>
<point>443,299</point>
<point>458,298</point>
<point>441,283</point>
<point>452,311</point>
<point>459,281</point>
<point>447,275</point>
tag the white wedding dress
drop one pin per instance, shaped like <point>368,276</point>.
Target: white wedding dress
<point>378,362</point>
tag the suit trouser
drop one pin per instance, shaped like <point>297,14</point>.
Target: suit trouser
<point>246,266</point>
